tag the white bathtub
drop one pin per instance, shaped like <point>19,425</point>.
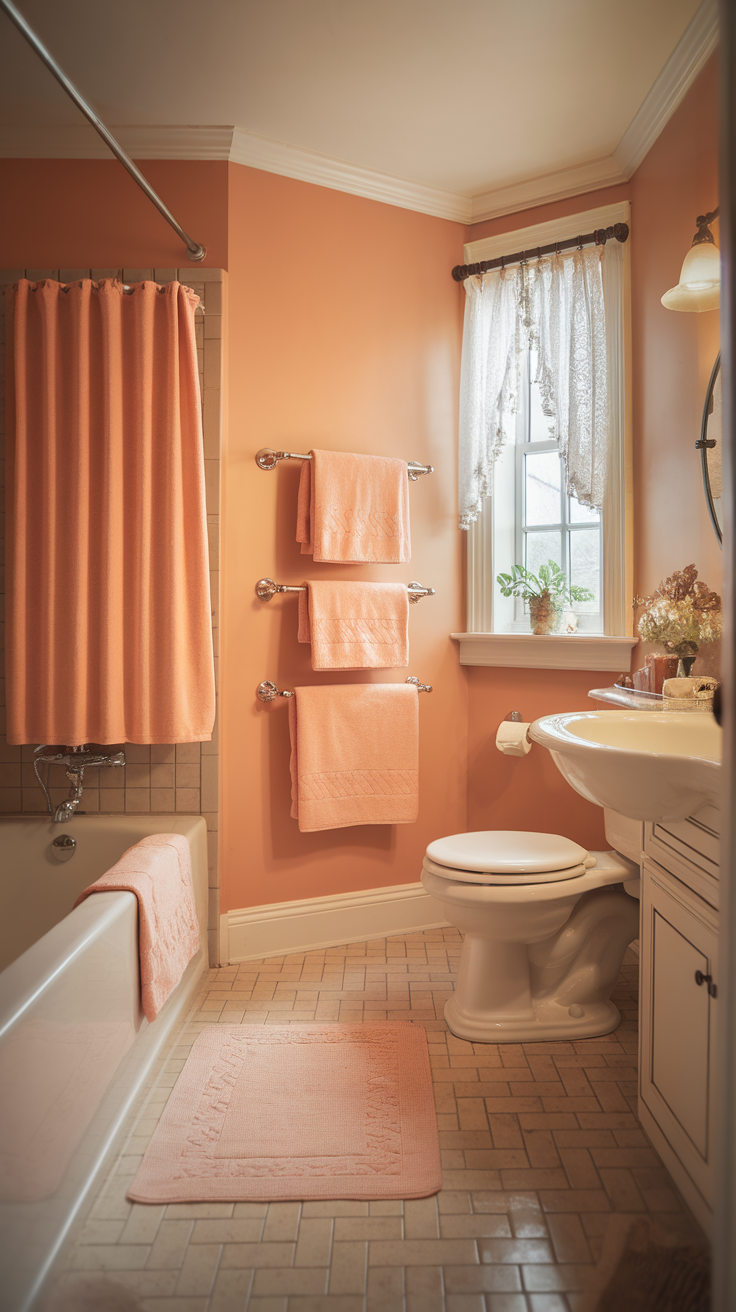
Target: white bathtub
<point>75,1048</point>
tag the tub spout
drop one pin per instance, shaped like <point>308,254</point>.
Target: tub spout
<point>76,760</point>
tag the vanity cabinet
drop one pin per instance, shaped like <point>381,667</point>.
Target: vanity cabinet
<point>679,1000</point>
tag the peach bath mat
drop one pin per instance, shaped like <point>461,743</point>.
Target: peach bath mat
<point>278,1112</point>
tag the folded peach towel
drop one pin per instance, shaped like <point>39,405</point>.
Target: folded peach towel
<point>353,509</point>
<point>158,870</point>
<point>354,755</point>
<point>355,626</point>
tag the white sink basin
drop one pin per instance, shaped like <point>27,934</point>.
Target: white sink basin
<point>649,765</point>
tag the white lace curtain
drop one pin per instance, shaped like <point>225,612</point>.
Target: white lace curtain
<point>556,308</point>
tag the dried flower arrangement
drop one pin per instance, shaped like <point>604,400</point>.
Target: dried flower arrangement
<point>681,615</point>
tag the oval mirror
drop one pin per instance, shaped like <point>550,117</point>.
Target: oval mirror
<point>710,449</point>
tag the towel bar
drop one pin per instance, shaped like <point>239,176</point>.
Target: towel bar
<point>266,589</point>
<point>268,692</point>
<point>267,459</point>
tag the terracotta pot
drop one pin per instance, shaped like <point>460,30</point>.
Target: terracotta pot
<point>545,613</point>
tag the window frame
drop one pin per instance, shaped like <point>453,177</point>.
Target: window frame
<point>483,598</point>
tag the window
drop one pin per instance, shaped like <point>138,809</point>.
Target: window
<point>547,524</point>
<point>528,519</point>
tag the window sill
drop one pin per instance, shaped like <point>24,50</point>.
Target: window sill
<point>558,651</point>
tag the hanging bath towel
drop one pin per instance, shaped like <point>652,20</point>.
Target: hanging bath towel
<point>354,755</point>
<point>355,626</point>
<point>354,509</point>
<point>109,619</point>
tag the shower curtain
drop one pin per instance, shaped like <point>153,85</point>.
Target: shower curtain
<point>108,606</point>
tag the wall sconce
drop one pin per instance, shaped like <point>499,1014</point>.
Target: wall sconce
<point>699,287</point>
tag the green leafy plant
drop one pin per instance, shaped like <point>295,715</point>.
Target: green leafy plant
<point>552,582</point>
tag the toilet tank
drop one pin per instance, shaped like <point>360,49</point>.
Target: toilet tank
<point>624,834</point>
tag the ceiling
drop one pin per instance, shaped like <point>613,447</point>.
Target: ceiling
<point>470,97</point>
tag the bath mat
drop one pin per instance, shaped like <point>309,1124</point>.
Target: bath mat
<point>278,1112</point>
<point>645,1269</point>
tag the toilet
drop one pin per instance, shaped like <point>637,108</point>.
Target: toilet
<point>546,926</point>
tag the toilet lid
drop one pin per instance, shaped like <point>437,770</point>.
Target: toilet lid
<point>507,852</point>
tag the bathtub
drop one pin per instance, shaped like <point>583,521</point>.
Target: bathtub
<point>75,1048</point>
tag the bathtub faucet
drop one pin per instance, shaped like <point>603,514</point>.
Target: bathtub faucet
<point>76,760</point>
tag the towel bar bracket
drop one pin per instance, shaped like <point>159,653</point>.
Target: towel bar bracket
<point>268,459</point>
<point>268,588</point>
<point>268,692</point>
<point>420,687</point>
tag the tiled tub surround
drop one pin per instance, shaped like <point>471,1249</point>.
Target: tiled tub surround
<point>541,1147</point>
<point>164,777</point>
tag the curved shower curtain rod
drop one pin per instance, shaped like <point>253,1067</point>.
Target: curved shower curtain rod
<point>195,251</point>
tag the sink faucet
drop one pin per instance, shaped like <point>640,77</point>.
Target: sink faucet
<point>76,760</point>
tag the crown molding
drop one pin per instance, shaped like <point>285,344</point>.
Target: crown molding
<point>308,166</point>
<point>141,141</point>
<point>540,190</point>
<point>688,58</point>
<point>225,142</point>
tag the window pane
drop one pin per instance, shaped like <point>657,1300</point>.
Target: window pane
<point>543,488</point>
<point>541,547</point>
<point>585,566</point>
<point>581,515</point>
<point>539,422</point>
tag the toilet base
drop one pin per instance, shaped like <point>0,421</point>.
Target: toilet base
<point>550,1020</point>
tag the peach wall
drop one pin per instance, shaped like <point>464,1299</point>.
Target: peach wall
<point>89,213</point>
<point>526,792</point>
<point>344,333</point>
<point>673,352</point>
<point>546,213</point>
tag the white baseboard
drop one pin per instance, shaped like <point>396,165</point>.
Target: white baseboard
<point>325,922</point>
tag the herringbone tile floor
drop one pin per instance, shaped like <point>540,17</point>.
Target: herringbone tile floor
<point>541,1146</point>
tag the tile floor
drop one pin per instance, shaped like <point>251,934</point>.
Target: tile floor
<point>540,1141</point>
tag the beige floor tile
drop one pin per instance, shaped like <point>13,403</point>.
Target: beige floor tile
<point>257,1255</point>
<point>367,1227</point>
<point>348,1267</point>
<point>230,1291</point>
<point>421,1219</point>
<point>198,1269</point>
<point>271,1281</point>
<point>314,1244</point>
<point>170,1246</point>
<point>482,1279</point>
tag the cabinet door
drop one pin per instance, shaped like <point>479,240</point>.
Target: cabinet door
<point>679,947</point>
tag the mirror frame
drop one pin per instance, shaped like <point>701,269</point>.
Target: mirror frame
<point>704,445</point>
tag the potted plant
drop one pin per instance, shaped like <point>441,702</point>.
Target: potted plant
<point>547,595</point>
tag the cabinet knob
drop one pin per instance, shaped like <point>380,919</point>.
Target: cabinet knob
<point>700,978</point>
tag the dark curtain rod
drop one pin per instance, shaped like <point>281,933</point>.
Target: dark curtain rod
<point>619,231</point>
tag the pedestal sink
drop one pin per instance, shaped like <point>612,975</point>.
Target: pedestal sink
<point>649,765</point>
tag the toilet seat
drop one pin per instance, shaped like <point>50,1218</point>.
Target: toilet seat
<point>506,856</point>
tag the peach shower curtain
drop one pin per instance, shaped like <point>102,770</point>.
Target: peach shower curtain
<point>109,622</point>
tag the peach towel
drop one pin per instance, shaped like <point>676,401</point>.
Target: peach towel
<point>354,755</point>
<point>355,626</point>
<point>353,509</point>
<point>158,870</point>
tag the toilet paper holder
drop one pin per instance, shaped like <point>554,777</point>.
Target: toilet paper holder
<point>514,746</point>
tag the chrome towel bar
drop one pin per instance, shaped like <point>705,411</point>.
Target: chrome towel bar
<point>266,589</point>
<point>268,459</point>
<point>268,692</point>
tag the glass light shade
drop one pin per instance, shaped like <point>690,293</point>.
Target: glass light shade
<point>700,280</point>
